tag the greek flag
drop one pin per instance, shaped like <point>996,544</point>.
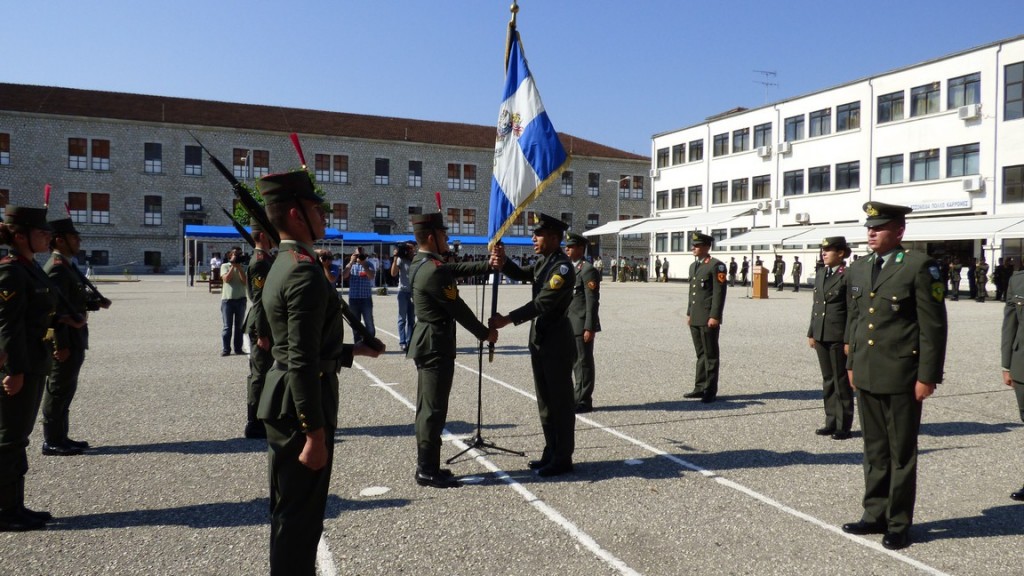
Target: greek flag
<point>527,153</point>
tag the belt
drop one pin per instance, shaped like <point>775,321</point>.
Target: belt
<point>326,366</point>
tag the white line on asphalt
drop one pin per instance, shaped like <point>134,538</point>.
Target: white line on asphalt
<point>324,559</point>
<point>580,536</point>
<point>728,483</point>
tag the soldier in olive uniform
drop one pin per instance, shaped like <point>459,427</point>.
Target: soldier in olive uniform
<point>28,301</point>
<point>981,279</point>
<point>1013,346</point>
<point>551,341</point>
<point>896,329</point>
<point>256,326</point>
<point>954,277</point>
<point>704,315</point>
<point>779,270</point>
<point>435,295</point>
<point>299,404</point>
<point>583,313</point>
<point>70,343</point>
<point>826,336</point>
<point>798,270</point>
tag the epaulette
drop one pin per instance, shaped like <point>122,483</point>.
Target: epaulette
<point>261,255</point>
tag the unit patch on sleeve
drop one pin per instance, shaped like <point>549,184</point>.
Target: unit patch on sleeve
<point>556,281</point>
<point>451,292</point>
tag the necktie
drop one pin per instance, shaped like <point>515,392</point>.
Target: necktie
<point>828,273</point>
<point>878,267</point>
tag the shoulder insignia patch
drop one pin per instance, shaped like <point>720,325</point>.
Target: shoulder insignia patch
<point>258,281</point>
<point>451,292</point>
<point>556,282</point>
<point>720,267</point>
<point>437,263</point>
<point>899,257</point>
<point>58,259</point>
<point>300,257</point>
<point>6,295</point>
<point>592,285</point>
<point>720,277</point>
<point>934,270</point>
<point>563,269</point>
<point>938,292</point>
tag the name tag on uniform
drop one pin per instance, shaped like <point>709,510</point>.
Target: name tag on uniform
<point>855,289</point>
<point>895,307</point>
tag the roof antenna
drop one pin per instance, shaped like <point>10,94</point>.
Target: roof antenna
<point>768,75</point>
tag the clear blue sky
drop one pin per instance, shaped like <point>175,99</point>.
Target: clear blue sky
<point>612,71</point>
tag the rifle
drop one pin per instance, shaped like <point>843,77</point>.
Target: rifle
<point>241,229</point>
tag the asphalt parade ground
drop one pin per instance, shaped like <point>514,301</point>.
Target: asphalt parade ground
<point>662,485</point>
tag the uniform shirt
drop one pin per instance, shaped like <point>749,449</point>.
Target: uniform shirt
<point>28,301</point>
<point>435,295</point>
<point>828,310</point>
<point>359,283</point>
<point>256,277</point>
<point>586,299</point>
<point>707,291</point>
<point>552,277</point>
<point>62,272</point>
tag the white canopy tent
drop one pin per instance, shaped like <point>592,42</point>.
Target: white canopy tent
<point>692,222</point>
<point>771,236</point>
<point>613,227</point>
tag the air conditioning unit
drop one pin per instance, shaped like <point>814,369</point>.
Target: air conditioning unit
<point>764,205</point>
<point>654,173</point>
<point>764,151</point>
<point>802,217</point>
<point>969,112</point>
<point>785,148</point>
<point>973,183</point>
<point>781,204</point>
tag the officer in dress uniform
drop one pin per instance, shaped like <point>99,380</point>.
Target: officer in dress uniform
<point>798,270</point>
<point>583,313</point>
<point>256,326</point>
<point>779,270</point>
<point>551,341</point>
<point>1013,346</point>
<point>28,301</point>
<point>704,315</point>
<point>826,336</point>
<point>299,404</point>
<point>896,329</point>
<point>435,296</point>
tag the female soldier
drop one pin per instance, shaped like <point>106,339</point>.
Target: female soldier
<point>27,303</point>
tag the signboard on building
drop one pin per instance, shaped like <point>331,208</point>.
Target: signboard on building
<point>933,205</point>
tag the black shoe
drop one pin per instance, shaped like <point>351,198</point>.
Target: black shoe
<point>842,435</point>
<point>16,521</point>
<point>538,464</point>
<point>225,352</point>
<point>60,450</point>
<point>708,398</point>
<point>861,528</point>
<point>896,540</point>
<point>255,429</point>
<point>436,480</point>
<point>76,444</point>
<point>583,409</point>
<point>554,469</point>
<point>1018,495</point>
<point>239,352</point>
<point>42,515</point>
<point>694,394</point>
<point>826,431</point>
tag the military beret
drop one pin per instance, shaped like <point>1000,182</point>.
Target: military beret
<point>431,221</point>
<point>575,239</point>
<point>696,239</point>
<point>27,217</point>
<point>550,223</point>
<point>287,186</point>
<point>879,213</point>
<point>63,226</point>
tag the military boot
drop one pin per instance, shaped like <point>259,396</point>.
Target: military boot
<point>73,443</point>
<point>254,426</point>
<point>549,444</point>
<point>12,519</point>
<point>429,472</point>
<point>42,515</point>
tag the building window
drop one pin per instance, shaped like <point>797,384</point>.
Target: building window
<point>679,241</point>
<point>661,200</point>
<point>762,187</point>
<point>152,211</point>
<point>763,135</point>
<point>322,167</point>
<point>963,90</point>
<point>340,174</point>
<point>695,196</point>
<point>413,212</point>
<point>924,100</point>
<point>720,146</point>
<point>461,176</point>
<point>328,168</point>
<point>821,122</point>
<point>924,165</point>
<point>662,157</point>
<point>99,258</point>
<point>240,163</point>
<point>962,160</point>
<point>890,107</point>
<point>819,179</point>
<point>5,199</point>
<point>247,163</point>
<point>382,171</point>
<point>567,219</point>
<point>848,175</point>
<point>86,207</point>
<point>566,189</point>
<point>890,170</point>
<point>193,161</point>
<point>151,258</point>
<point>1013,184</point>
<point>5,149</point>
<point>637,193</point>
<point>719,234</point>
<point>661,242</point>
<point>339,216</point>
<point>679,197</point>
<point>415,173</point>
<point>848,117</point>
<point>78,153</point>
<point>719,193</point>
<point>518,226</point>
<point>696,150</point>
<point>193,204</point>
<point>678,154</point>
<point>795,128</point>
<point>454,219</point>
<point>741,190</point>
<point>381,211</point>
<point>734,232</point>
<point>740,140</point>
<point>260,163</point>
<point>594,184</point>
<point>1014,100</point>
<point>793,183</point>
<point>469,221</point>
<point>100,154</point>
<point>593,221</point>
<point>154,154</point>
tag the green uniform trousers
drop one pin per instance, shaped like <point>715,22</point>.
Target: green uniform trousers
<point>260,362</point>
<point>556,403</point>
<point>17,418</point>
<point>705,343</point>
<point>890,424</point>
<point>837,394</point>
<point>61,386</point>
<point>433,385</point>
<point>583,372</point>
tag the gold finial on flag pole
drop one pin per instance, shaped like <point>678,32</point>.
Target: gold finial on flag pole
<point>514,8</point>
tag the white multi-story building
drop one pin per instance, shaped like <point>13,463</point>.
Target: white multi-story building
<point>945,137</point>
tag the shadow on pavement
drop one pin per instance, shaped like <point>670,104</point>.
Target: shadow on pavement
<point>229,446</point>
<point>993,522</point>
<point>965,428</point>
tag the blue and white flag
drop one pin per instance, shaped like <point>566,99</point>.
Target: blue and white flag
<point>527,153</point>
